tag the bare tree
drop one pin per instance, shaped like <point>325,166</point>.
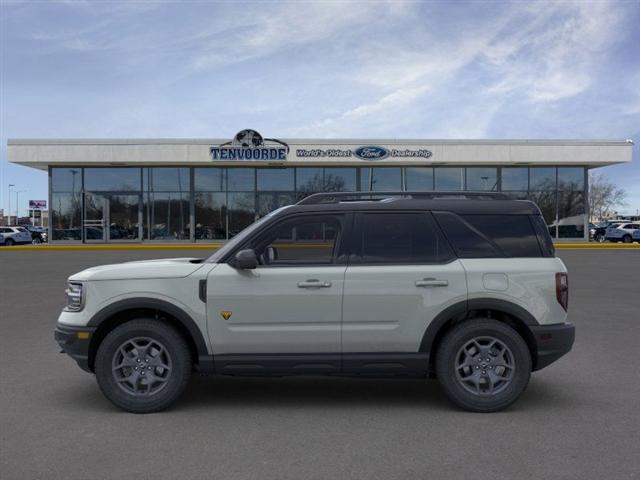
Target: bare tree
<point>604,196</point>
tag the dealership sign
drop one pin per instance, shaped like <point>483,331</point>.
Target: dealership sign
<point>38,204</point>
<point>365,152</point>
<point>250,145</point>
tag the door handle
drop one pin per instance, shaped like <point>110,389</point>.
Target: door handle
<point>431,282</point>
<point>313,283</point>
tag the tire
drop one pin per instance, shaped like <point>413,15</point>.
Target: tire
<point>143,342</point>
<point>512,381</point>
<point>36,241</point>
<point>626,239</point>
<point>599,238</point>
<point>9,242</point>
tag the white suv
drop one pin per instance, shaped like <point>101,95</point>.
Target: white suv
<point>463,287</point>
<point>622,232</point>
<point>15,235</point>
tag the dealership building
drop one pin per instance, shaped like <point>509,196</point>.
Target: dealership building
<point>198,190</point>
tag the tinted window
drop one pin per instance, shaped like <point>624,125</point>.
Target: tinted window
<point>401,238</point>
<point>546,244</point>
<point>514,234</point>
<point>309,240</point>
<point>467,241</point>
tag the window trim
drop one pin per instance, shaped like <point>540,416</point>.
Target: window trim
<point>354,255</point>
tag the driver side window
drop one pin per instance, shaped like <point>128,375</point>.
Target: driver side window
<point>304,240</point>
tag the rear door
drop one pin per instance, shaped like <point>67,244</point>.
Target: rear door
<point>401,274</point>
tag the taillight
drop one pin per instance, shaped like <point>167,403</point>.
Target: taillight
<point>562,289</point>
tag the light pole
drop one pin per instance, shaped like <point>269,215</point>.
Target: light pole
<point>18,192</point>
<point>9,211</point>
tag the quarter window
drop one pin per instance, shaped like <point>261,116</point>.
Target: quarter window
<point>398,238</point>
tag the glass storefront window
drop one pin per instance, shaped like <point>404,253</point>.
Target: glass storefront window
<point>570,178</point>
<point>166,216</point>
<point>482,178</point>
<point>166,179</point>
<point>515,178</point>
<point>308,181</point>
<point>112,179</point>
<point>449,178</point>
<point>66,217</point>
<point>241,179</point>
<point>571,214</point>
<point>268,202</point>
<point>275,179</point>
<point>542,178</point>
<point>241,211</point>
<point>340,180</point>
<point>419,179</point>
<point>210,216</point>
<point>209,179</point>
<point>379,179</point>
<point>66,179</point>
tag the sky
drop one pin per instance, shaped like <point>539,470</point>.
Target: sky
<point>373,69</point>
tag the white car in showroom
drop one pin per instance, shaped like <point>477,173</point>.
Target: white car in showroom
<point>15,235</point>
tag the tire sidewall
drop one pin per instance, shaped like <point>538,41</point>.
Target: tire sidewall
<point>176,348</point>
<point>456,339</point>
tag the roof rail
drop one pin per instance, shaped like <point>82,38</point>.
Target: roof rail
<point>337,197</point>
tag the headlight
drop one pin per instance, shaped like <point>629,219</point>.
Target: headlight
<point>75,299</point>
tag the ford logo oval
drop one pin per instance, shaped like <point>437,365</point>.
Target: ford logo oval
<point>371,153</point>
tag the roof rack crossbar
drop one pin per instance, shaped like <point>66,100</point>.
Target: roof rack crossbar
<point>337,197</point>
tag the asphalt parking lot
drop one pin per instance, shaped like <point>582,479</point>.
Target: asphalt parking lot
<point>578,419</point>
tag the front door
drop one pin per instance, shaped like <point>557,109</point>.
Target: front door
<point>286,313</point>
<point>95,217</point>
<point>401,274</point>
<point>111,217</point>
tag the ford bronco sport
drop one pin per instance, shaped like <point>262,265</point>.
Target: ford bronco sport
<point>462,287</point>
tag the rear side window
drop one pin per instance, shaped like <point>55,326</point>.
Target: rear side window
<point>513,234</point>
<point>467,241</point>
<point>486,236</point>
<point>544,239</point>
<point>400,238</point>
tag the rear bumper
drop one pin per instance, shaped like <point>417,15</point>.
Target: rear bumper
<point>552,342</point>
<point>74,345</point>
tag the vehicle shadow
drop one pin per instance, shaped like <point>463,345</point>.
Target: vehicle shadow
<point>285,393</point>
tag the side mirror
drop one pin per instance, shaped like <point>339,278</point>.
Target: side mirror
<point>245,260</point>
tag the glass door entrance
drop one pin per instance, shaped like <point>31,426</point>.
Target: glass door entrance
<point>112,217</point>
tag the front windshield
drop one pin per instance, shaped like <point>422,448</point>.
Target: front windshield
<point>242,236</point>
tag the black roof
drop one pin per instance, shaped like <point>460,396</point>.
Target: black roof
<point>456,202</point>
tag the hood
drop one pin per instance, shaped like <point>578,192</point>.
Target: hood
<point>163,268</point>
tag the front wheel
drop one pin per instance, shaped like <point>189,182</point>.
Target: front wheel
<point>599,238</point>
<point>9,242</point>
<point>483,365</point>
<point>143,366</point>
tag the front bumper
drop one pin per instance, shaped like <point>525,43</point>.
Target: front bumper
<point>75,341</point>
<point>552,342</point>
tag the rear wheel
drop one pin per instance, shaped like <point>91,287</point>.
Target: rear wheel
<point>143,365</point>
<point>483,365</point>
<point>626,239</point>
